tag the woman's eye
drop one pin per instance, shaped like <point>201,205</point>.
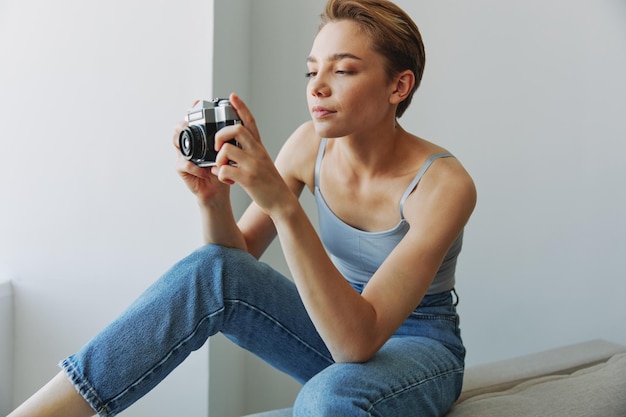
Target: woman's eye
<point>311,74</point>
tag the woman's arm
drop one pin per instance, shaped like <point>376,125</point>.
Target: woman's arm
<point>255,231</point>
<point>355,326</point>
<point>300,150</point>
<point>213,196</point>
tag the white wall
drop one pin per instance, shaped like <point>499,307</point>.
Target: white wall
<point>92,210</point>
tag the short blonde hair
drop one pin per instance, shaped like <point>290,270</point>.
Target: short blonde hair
<point>392,32</point>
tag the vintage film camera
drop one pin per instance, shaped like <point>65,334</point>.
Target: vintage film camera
<point>197,141</point>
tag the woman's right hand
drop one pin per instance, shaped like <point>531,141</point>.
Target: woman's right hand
<point>202,183</point>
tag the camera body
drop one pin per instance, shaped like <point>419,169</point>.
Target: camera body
<point>197,141</point>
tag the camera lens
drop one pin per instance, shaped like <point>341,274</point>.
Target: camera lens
<point>192,141</point>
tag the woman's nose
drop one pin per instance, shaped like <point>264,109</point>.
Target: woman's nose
<point>318,87</point>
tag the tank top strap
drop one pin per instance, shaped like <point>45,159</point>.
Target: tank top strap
<point>318,162</point>
<point>418,177</point>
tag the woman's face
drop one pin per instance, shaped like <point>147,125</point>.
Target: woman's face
<point>348,90</point>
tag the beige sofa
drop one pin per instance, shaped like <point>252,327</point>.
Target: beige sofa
<point>582,380</point>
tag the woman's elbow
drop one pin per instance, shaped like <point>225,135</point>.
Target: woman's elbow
<point>354,353</point>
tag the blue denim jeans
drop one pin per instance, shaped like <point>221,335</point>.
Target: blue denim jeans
<point>418,372</point>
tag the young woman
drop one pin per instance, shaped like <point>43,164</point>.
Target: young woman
<point>368,324</point>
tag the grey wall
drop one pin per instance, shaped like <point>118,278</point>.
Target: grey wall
<point>260,51</point>
<point>531,97</point>
<point>6,345</point>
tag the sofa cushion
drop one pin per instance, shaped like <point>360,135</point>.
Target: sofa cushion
<point>513,380</point>
<point>504,374</point>
<point>598,390</point>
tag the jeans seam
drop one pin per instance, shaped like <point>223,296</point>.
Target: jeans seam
<point>281,326</point>
<point>165,358</point>
<point>428,316</point>
<point>414,385</point>
<point>85,389</point>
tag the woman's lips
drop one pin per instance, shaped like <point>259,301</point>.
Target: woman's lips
<point>320,112</point>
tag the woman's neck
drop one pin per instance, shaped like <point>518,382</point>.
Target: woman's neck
<point>373,153</point>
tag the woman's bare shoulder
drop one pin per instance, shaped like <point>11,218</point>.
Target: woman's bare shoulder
<point>297,157</point>
<point>446,184</point>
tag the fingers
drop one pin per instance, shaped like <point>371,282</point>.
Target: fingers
<point>228,155</point>
<point>239,133</point>
<point>222,173</point>
<point>247,135</point>
<point>185,167</point>
<point>244,114</point>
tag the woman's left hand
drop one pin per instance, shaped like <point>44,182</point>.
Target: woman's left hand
<point>248,165</point>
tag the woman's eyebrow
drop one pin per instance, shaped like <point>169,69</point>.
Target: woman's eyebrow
<point>335,57</point>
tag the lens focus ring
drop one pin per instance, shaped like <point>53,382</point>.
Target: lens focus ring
<point>192,142</point>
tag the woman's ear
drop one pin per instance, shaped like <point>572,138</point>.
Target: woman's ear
<point>402,86</point>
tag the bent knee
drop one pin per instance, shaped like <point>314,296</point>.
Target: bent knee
<point>332,392</point>
<point>370,389</point>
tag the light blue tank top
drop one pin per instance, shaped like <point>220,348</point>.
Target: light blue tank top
<point>358,254</point>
